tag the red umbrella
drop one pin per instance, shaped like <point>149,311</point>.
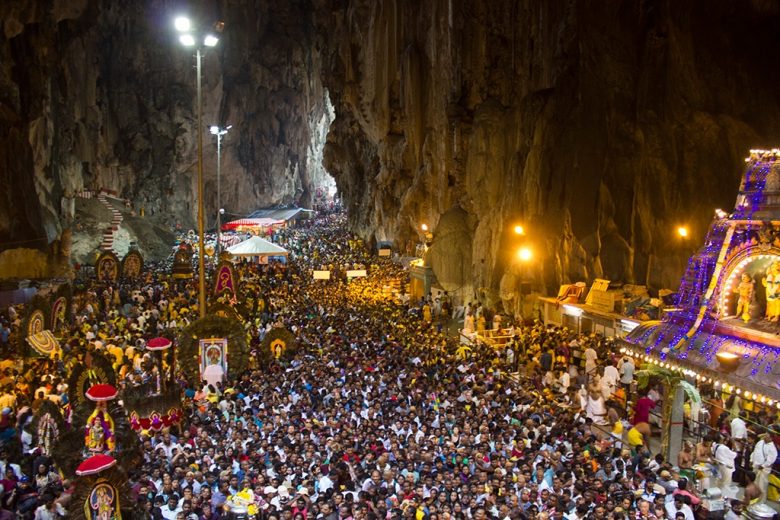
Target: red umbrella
<point>101,392</point>
<point>95,464</point>
<point>158,344</point>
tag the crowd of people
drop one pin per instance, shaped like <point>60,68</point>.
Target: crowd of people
<point>381,414</point>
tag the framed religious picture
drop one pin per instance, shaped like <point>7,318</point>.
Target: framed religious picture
<point>213,359</point>
<point>102,503</point>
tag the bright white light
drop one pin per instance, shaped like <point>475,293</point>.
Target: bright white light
<point>187,40</point>
<point>210,40</point>
<point>214,129</point>
<point>524,254</point>
<point>182,24</point>
<point>424,227</point>
<point>572,311</point>
<point>629,325</point>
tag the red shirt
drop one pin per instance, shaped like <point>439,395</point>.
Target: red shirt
<point>642,410</point>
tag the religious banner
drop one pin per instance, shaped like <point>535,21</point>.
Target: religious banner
<point>322,275</point>
<point>225,279</point>
<point>132,265</point>
<point>213,358</point>
<point>102,503</point>
<point>107,267</point>
<point>58,308</point>
<point>60,313</point>
<point>35,321</point>
<point>280,343</point>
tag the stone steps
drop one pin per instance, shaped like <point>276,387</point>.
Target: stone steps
<point>107,243</point>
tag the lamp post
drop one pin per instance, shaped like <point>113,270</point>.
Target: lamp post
<point>219,132</point>
<point>524,255</point>
<point>188,39</point>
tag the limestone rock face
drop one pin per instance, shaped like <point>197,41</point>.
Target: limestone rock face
<point>601,126</point>
<point>100,95</point>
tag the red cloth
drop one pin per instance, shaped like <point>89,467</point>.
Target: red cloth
<point>642,410</point>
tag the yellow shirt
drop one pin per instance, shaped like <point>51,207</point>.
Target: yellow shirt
<point>635,438</point>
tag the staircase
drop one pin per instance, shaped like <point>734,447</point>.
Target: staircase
<point>107,244</point>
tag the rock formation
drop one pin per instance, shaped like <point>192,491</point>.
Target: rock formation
<point>599,125</point>
<point>100,95</point>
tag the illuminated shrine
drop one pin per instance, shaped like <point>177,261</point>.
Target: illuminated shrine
<point>725,329</point>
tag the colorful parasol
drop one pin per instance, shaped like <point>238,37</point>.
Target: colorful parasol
<point>101,392</point>
<point>95,464</point>
<point>158,344</point>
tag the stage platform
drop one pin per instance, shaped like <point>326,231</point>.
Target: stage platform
<point>758,331</point>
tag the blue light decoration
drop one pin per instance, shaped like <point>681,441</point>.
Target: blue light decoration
<point>700,327</point>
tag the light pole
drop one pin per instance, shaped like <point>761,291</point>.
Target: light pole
<point>188,39</point>
<point>219,132</point>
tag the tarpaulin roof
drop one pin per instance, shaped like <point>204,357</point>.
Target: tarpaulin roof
<point>256,246</point>
<point>283,214</point>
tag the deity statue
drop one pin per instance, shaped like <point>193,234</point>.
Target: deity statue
<point>772,284</point>
<point>99,434</point>
<point>745,290</point>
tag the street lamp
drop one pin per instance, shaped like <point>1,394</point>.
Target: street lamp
<point>682,231</point>
<point>219,132</point>
<point>184,26</point>
<point>524,254</point>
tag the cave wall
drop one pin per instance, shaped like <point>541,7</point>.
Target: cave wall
<point>100,95</point>
<point>599,125</point>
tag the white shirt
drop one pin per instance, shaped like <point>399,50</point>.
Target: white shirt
<point>590,358</point>
<point>168,513</point>
<point>764,454</point>
<point>671,511</point>
<point>738,428</point>
<point>628,373</point>
<point>565,381</point>
<point>724,455</point>
<point>611,374</point>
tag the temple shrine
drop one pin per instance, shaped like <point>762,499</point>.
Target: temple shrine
<point>725,329</point>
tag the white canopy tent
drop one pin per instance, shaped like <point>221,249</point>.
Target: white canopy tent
<point>256,246</point>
